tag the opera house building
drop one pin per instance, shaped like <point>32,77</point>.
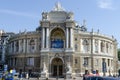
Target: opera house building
<point>59,42</point>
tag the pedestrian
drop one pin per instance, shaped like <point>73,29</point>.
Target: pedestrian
<point>83,76</point>
<point>3,76</point>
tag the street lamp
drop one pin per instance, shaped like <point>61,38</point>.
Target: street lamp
<point>85,65</point>
<point>25,53</point>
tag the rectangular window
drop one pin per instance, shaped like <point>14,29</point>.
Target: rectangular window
<point>76,61</point>
<point>76,47</point>
<point>85,61</point>
<point>15,61</point>
<point>97,61</point>
<point>30,61</point>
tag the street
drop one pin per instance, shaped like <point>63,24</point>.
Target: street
<point>77,78</point>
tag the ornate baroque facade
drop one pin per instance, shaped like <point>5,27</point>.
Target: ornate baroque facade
<point>58,41</point>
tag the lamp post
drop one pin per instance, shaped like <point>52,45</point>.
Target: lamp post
<point>92,62</point>
<point>25,52</point>
<point>4,40</point>
<point>109,70</point>
<point>85,65</point>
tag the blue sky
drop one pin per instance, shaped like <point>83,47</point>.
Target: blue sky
<point>18,15</point>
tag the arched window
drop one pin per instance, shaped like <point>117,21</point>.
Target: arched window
<point>32,45</point>
<point>17,46</point>
<point>85,45</point>
<point>76,47</point>
<point>57,38</point>
<point>102,46</point>
<point>96,46</point>
<point>12,46</point>
<point>21,45</point>
<point>107,47</point>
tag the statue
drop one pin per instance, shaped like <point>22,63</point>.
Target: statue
<point>44,15</point>
<point>44,68</point>
<point>69,68</point>
<point>44,73</point>
<point>58,7</point>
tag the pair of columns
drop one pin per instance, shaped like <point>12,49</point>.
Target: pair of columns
<point>45,37</point>
<point>69,38</point>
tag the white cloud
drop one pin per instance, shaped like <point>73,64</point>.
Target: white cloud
<point>17,13</point>
<point>105,4</point>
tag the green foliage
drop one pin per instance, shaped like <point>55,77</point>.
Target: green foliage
<point>119,54</point>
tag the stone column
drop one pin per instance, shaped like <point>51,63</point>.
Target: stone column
<point>35,45</point>
<point>14,46</point>
<point>11,48</point>
<point>99,46</point>
<point>71,38</point>
<point>93,45</point>
<point>19,46</point>
<point>81,46</point>
<point>24,45</point>
<point>67,38</point>
<point>105,50</point>
<point>28,46</point>
<point>47,37</point>
<point>43,37</point>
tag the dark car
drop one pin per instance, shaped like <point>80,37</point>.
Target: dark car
<point>94,78</point>
<point>100,78</point>
<point>110,78</point>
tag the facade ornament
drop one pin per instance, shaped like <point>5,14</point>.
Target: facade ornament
<point>44,15</point>
<point>69,16</point>
<point>83,27</point>
<point>69,68</point>
<point>57,55</point>
<point>44,68</point>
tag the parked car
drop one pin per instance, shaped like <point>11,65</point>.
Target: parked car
<point>9,77</point>
<point>110,78</point>
<point>100,78</point>
<point>94,78</point>
<point>0,75</point>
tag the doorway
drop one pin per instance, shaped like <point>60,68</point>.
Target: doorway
<point>57,67</point>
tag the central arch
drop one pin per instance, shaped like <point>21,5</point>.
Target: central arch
<point>57,67</point>
<point>57,38</point>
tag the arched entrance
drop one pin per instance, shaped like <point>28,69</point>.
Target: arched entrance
<point>57,67</point>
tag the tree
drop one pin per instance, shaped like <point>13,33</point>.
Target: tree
<point>119,54</point>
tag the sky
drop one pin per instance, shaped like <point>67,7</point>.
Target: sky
<point>21,15</point>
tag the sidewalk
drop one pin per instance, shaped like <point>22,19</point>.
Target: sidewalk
<point>77,78</point>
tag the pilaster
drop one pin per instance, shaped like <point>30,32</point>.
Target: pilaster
<point>19,45</point>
